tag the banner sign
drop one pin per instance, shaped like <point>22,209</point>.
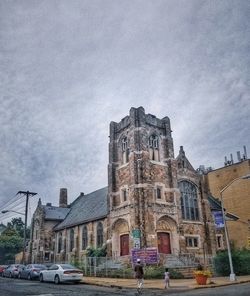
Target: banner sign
<point>218,218</point>
<point>137,243</point>
<point>136,233</point>
<point>147,255</point>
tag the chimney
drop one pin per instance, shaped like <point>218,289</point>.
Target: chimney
<point>245,152</point>
<point>232,160</point>
<point>238,155</point>
<point>225,161</point>
<point>63,198</point>
<point>81,193</point>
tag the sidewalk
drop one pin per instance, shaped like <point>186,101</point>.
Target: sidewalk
<point>159,284</point>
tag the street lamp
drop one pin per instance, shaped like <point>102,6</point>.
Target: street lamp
<point>7,211</point>
<point>232,274</point>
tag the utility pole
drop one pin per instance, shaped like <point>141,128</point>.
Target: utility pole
<point>28,194</point>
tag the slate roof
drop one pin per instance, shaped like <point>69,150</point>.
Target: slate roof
<point>55,213</point>
<point>86,208</point>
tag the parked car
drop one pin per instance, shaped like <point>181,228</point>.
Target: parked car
<point>59,273</point>
<point>31,271</point>
<point>12,270</point>
<point>2,267</point>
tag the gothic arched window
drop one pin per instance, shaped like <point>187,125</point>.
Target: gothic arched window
<point>189,201</point>
<point>154,147</point>
<point>71,240</point>
<point>99,234</point>
<point>84,237</point>
<point>125,150</point>
<point>59,247</point>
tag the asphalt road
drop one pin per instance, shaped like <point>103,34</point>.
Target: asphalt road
<point>15,287</point>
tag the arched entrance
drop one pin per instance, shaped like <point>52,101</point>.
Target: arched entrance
<point>124,245</point>
<point>120,238</point>
<point>166,235</point>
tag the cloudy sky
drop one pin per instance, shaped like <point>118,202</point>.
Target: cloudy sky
<point>68,68</point>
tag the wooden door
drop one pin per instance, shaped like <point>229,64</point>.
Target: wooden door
<point>164,246</point>
<point>124,244</point>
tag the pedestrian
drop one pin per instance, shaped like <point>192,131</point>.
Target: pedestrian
<point>139,275</point>
<point>166,278</point>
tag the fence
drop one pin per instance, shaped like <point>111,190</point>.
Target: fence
<point>121,267</point>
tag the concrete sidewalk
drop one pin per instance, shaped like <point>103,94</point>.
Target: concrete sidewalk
<point>159,284</point>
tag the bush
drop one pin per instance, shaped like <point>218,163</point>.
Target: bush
<point>157,272</point>
<point>241,262</point>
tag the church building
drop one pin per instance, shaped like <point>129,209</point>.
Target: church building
<point>153,199</point>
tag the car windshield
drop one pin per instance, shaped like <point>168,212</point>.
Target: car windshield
<point>39,266</point>
<point>67,266</point>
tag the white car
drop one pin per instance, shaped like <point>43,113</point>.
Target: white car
<point>59,273</point>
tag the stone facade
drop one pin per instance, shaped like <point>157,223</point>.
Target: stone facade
<point>235,197</point>
<point>144,194</point>
<point>44,219</point>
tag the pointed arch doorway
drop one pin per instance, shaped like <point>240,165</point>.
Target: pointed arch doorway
<point>163,240</point>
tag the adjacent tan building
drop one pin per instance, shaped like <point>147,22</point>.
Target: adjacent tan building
<point>236,198</point>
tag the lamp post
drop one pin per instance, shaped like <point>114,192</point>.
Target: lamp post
<point>232,274</point>
<point>7,211</point>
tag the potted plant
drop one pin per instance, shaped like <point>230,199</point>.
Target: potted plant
<point>202,275</point>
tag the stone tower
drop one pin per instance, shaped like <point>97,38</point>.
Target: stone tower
<point>142,178</point>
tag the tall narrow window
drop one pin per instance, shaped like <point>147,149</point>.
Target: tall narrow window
<point>99,235</point>
<point>124,195</point>
<point>125,150</point>
<point>71,240</point>
<point>84,237</point>
<point>189,201</point>
<point>59,248</point>
<point>158,193</point>
<point>154,148</point>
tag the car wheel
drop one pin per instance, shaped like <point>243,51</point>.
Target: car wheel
<point>57,280</point>
<point>41,278</point>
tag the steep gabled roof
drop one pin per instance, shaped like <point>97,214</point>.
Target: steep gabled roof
<point>86,208</point>
<point>182,161</point>
<point>55,213</point>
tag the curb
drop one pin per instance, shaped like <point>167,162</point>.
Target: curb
<point>187,287</point>
<point>221,285</point>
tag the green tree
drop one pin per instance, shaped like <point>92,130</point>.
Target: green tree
<point>10,244</point>
<point>18,225</point>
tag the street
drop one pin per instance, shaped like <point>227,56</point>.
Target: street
<point>15,287</point>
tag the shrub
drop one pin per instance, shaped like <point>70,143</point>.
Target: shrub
<point>241,262</point>
<point>157,272</point>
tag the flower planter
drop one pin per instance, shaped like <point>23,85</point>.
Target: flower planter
<point>201,279</point>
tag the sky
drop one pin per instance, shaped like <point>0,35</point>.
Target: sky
<point>69,68</point>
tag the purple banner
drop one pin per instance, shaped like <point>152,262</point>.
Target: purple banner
<point>218,219</point>
<point>147,255</point>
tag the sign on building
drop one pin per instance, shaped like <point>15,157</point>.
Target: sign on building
<point>147,255</point>
<point>218,219</point>
<point>136,235</point>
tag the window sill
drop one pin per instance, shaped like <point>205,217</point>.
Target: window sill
<point>158,162</point>
<point>192,222</point>
<point>123,165</point>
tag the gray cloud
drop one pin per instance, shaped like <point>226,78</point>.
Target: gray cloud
<point>69,68</point>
